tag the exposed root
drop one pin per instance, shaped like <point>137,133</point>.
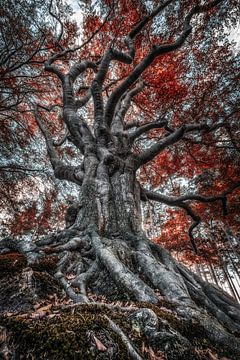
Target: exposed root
<point>124,277</point>
<point>62,236</point>
<point>221,306</point>
<point>169,283</point>
<point>76,243</point>
<point>82,280</point>
<point>131,350</point>
<point>111,306</point>
<point>141,271</point>
<point>25,247</point>
<point>160,336</point>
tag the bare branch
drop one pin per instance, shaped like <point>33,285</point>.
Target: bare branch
<point>129,40</point>
<point>92,35</point>
<point>172,201</point>
<point>51,151</point>
<point>58,20</point>
<point>174,137</point>
<point>181,201</point>
<point>18,64</point>
<point>146,127</point>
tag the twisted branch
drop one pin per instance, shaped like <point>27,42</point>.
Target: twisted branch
<point>61,171</point>
<point>181,202</point>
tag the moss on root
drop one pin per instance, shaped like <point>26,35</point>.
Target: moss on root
<point>68,335</point>
<point>74,332</point>
<point>71,333</point>
<point>194,332</point>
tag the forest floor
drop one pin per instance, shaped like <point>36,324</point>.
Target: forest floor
<point>37,321</point>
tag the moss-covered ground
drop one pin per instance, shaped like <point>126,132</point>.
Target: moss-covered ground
<point>47,326</point>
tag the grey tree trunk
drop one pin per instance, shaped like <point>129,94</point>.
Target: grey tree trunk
<point>107,253</point>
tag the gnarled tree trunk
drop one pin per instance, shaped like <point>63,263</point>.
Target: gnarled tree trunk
<point>104,249</point>
<point>107,253</point>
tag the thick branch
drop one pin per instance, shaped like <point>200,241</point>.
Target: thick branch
<point>79,131</point>
<point>80,102</point>
<point>156,148</point>
<point>123,108</point>
<point>113,54</point>
<point>96,89</point>
<point>61,171</point>
<point>69,79</point>
<point>54,69</point>
<point>148,60</point>
<point>131,124</point>
<point>174,137</point>
<point>78,69</point>
<point>145,128</point>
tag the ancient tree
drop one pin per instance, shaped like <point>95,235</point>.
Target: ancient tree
<point>104,247</point>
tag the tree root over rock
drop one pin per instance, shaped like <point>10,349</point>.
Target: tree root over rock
<point>171,309</point>
<point>90,331</point>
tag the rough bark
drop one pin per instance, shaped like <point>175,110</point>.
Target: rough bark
<point>105,252</point>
